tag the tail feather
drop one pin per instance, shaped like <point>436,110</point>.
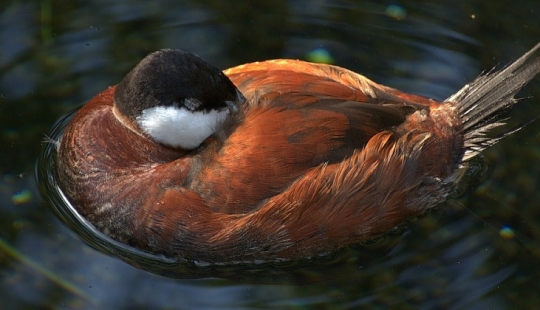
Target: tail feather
<point>482,103</point>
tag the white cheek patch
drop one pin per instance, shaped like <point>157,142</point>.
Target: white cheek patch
<point>179,127</point>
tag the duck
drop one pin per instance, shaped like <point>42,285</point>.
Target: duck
<point>270,161</point>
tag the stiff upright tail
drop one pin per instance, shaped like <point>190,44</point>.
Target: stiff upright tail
<point>483,103</point>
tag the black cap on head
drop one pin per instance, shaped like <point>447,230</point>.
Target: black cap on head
<point>173,77</point>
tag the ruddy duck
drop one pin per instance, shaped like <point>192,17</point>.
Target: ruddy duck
<point>269,161</point>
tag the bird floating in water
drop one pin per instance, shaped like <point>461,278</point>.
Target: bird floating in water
<point>269,161</point>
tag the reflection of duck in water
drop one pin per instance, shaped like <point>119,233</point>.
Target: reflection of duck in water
<point>302,159</point>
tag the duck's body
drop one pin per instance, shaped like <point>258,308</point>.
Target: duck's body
<point>313,159</point>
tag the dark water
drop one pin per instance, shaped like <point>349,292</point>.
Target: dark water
<point>55,55</point>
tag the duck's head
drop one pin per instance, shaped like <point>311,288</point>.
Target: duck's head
<point>176,98</point>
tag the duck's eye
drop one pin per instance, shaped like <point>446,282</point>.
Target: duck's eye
<point>192,104</point>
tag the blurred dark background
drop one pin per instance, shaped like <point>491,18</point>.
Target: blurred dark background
<point>481,250</point>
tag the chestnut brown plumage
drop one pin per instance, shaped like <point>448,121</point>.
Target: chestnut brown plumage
<point>316,158</point>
